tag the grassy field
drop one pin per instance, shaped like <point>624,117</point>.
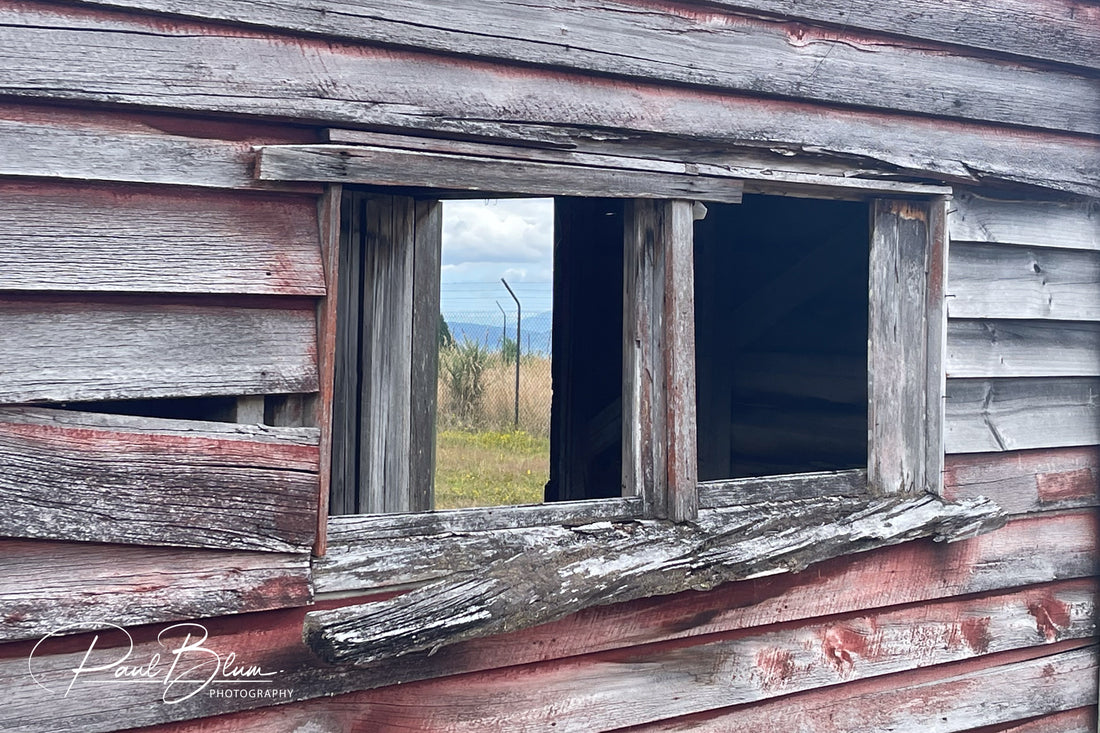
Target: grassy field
<point>490,468</point>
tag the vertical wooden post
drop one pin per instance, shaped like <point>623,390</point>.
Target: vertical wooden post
<point>427,244</point>
<point>659,440</point>
<point>329,213</point>
<point>905,346</point>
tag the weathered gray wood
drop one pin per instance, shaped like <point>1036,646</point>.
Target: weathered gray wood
<point>427,253</point>
<point>1005,281</point>
<point>48,586</point>
<point>935,338</point>
<point>288,411</point>
<point>1000,348</point>
<point>385,419</point>
<point>74,237</point>
<point>329,215</point>
<point>711,50</point>
<point>249,409</point>
<point>97,349</point>
<point>820,485</point>
<point>134,480</point>
<point>1016,414</point>
<point>967,700</point>
<point>902,429</point>
<point>421,169</point>
<point>1065,224</point>
<point>1028,481</point>
<point>613,562</point>
<point>138,63</point>
<point>345,403</point>
<point>90,145</point>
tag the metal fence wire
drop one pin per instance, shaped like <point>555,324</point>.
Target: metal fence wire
<point>478,388</point>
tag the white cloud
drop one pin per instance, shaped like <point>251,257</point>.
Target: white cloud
<point>506,231</point>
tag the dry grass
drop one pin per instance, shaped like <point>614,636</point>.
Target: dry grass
<point>490,468</point>
<point>495,410</point>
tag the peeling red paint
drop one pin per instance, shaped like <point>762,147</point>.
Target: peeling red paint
<point>976,633</point>
<point>1078,484</point>
<point>841,644</point>
<point>1051,615</point>
<point>775,667</point>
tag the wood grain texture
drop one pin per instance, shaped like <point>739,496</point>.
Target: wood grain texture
<point>986,415</point>
<point>610,563</point>
<point>331,238</point>
<point>713,494</point>
<point>145,481</point>
<point>52,142</point>
<point>707,48</point>
<point>1005,281</point>
<point>423,387</point>
<point>904,574</point>
<point>1065,224</point>
<point>65,237</point>
<point>640,685</point>
<point>903,380</point>
<point>46,586</point>
<point>116,348</point>
<point>949,699</point>
<point>1027,481</point>
<point>421,169</point>
<point>384,89</point>
<point>1002,348</point>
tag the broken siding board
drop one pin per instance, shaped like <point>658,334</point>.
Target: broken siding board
<point>80,237</point>
<point>101,348</point>
<point>643,684</point>
<point>418,169</point>
<point>1064,224</point>
<point>905,574</point>
<point>714,49</point>
<point>1028,481</point>
<point>1003,348</point>
<point>45,586</point>
<point>1006,281</point>
<point>131,480</point>
<point>471,98</point>
<point>953,698</point>
<point>1016,414</point>
<point>52,142</point>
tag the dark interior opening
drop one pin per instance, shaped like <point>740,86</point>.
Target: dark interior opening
<point>214,409</point>
<point>781,336</point>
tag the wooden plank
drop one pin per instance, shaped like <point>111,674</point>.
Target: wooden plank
<point>328,336</point>
<point>1002,348</point>
<point>427,253</point>
<point>1068,224</point>
<point>1027,481</point>
<point>999,281</point>
<point>46,586</point>
<point>132,480</point>
<point>102,348</point>
<point>408,91</point>
<point>419,169</point>
<point>900,390</point>
<point>611,563</point>
<point>816,485</point>
<point>958,698</point>
<point>640,685</point>
<point>249,409</point>
<point>1016,414</point>
<point>51,142</point>
<point>904,574</point>
<point>66,237</point>
<point>713,49</point>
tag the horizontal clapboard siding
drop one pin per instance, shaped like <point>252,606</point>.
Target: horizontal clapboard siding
<point>146,481</point>
<point>707,49</point>
<point>998,348</point>
<point>59,237</point>
<point>985,415</point>
<point>1066,224</point>
<point>1009,281</point>
<point>47,586</point>
<point>915,573</point>
<point>116,348</point>
<point>125,60</point>
<point>1027,481</point>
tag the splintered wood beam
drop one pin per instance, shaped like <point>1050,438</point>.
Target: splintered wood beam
<point>613,562</point>
<point>462,171</point>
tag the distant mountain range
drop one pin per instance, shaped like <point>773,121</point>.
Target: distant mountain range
<point>535,333</point>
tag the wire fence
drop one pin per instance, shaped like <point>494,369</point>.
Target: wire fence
<point>478,387</point>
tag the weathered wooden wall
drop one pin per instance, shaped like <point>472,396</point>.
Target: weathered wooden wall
<point>142,257</point>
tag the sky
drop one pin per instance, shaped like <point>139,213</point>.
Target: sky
<point>484,241</point>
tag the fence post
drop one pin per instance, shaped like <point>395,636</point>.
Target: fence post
<point>519,320</point>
